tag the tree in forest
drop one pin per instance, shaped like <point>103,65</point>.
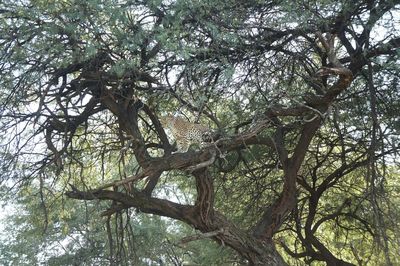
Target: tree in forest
<point>301,99</point>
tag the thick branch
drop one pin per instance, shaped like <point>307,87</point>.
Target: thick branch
<point>138,200</point>
<point>274,215</point>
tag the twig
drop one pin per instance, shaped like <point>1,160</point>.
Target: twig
<point>203,164</point>
<point>129,179</point>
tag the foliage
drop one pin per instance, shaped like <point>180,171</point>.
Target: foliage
<point>302,97</point>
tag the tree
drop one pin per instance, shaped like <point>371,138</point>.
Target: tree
<point>302,98</point>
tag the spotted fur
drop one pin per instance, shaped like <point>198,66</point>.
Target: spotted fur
<point>184,132</point>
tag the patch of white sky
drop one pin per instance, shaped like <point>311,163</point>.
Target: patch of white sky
<point>6,211</point>
<point>387,27</point>
<point>21,131</point>
<point>34,147</point>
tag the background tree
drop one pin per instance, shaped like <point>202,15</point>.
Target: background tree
<point>302,97</point>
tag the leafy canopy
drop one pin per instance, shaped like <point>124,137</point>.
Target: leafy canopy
<point>301,166</point>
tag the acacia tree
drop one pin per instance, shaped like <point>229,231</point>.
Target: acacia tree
<point>302,98</point>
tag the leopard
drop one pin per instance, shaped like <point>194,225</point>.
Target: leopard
<point>184,132</point>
